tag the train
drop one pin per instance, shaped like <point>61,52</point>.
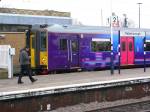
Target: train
<point>57,47</point>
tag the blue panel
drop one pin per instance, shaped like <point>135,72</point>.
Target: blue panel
<point>106,36</point>
<point>115,43</point>
<point>148,37</point>
<point>138,44</point>
<point>139,49</point>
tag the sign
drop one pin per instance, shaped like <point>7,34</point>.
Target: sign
<point>115,22</point>
<point>2,36</point>
<point>133,34</point>
<point>100,39</point>
<point>6,59</point>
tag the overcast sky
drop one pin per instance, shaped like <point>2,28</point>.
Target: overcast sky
<point>89,12</point>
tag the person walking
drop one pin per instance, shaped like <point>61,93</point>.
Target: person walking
<point>24,60</point>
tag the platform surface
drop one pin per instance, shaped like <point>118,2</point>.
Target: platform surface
<point>65,79</point>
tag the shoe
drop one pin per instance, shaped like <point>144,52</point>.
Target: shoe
<point>20,82</point>
<point>34,80</point>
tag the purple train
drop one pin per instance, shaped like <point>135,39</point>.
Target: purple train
<point>87,47</point>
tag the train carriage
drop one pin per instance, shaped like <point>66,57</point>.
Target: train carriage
<point>79,47</point>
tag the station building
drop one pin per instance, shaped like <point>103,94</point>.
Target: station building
<point>15,22</point>
<point>18,20</point>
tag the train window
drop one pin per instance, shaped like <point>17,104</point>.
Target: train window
<point>74,46</point>
<point>147,48</point>
<point>43,41</point>
<point>63,44</point>
<point>33,42</point>
<point>101,46</point>
<point>123,46</point>
<point>130,46</point>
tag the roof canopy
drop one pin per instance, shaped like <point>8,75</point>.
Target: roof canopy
<point>20,19</point>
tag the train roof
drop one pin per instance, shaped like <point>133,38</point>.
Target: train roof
<point>89,29</point>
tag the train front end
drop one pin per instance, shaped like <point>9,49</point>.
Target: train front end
<point>38,50</point>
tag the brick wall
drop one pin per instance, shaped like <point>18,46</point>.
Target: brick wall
<point>15,40</point>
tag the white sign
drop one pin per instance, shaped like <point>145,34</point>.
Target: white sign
<point>100,39</point>
<point>12,51</point>
<point>147,40</point>
<point>6,60</point>
<point>115,22</point>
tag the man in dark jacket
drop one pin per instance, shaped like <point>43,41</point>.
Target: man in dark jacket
<point>24,60</point>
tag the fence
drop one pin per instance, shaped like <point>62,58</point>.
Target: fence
<point>6,58</point>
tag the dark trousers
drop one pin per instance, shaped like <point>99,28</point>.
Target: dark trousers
<point>25,70</point>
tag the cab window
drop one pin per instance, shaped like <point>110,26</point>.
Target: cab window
<point>43,41</point>
<point>33,41</point>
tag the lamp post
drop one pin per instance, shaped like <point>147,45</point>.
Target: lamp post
<point>139,12</point>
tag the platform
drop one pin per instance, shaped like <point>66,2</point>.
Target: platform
<point>57,83</point>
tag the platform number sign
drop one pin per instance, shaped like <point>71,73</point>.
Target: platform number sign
<point>114,19</point>
<point>115,22</point>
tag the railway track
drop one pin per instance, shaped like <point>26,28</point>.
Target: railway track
<point>134,107</point>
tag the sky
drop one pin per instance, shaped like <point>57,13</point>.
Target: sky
<point>89,12</point>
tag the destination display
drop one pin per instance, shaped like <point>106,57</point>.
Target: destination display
<point>127,33</point>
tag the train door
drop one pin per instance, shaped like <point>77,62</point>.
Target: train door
<point>38,49</point>
<point>62,59</point>
<point>32,49</point>
<point>73,50</point>
<point>127,50</point>
<point>130,49</point>
<point>68,52</point>
<point>123,51</point>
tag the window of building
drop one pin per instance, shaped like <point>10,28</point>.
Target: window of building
<point>100,45</point>
<point>63,44</point>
